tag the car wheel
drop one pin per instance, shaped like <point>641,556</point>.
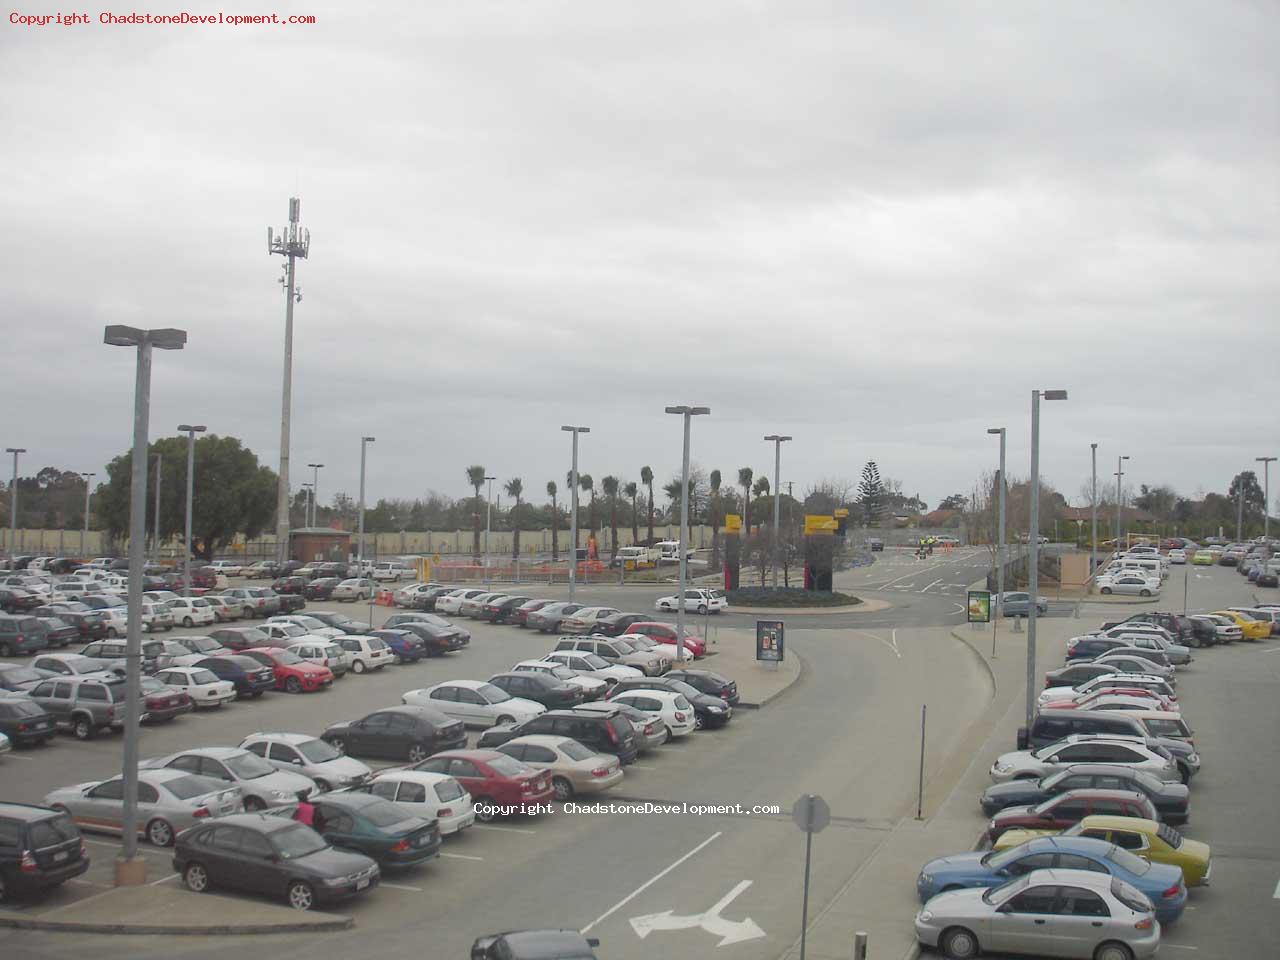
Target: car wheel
<point>358,667</point>
<point>418,753</point>
<point>506,719</point>
<point>1113,951</point>
<point>187,623</point>
<point>959,943</point>
<point>562,787</point>
<point>1185,773</point>
<point>1144,593</point>
<point>702,608</point>
<point>160,833</point>
<point>246,613</point>
<point>254,804</point>
<point>698,722</point>
<point>112,633</point>
<point>484,809</point>
<point>1105,590</point>
<point>323,786</point>
<point>196,877</point>
<point>338,744</point>
<point>82,728</point>
<point>293,685</point>
<point>301,896</point>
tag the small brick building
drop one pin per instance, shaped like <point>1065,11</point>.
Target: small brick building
<point>323,544</point>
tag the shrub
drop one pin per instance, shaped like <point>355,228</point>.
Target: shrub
<point>788,597</point>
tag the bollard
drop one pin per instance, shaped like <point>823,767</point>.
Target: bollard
<point>1017,624</point>
<point>859,946</point>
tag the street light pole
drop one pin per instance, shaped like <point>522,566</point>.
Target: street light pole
<point>488,516</point>
<point>573,513</point>
<point>1033,540</point>
<point>1119,496</point>
<point>191,432</point>
<point>1093,516</point>
<point>364,442</point>
<point>315,492</point>
<point>156,542</point>
<point>131,869</point>
<point>306,507</point>
<point>84,532</point>
<point>13,500</point>
<point>1266,495</point>
<point>777,498</point>
<point>688,413</point>
<point>1000,549</point>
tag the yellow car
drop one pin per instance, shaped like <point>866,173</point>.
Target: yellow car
<point>1250,629</point>
<point>1157,842</point>
<point>1203,558</point>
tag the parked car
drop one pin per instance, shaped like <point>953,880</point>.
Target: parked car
<point>584,619</point>
<point>592,688</point>
<point>534,945</point>
<point>84,705</point>
<point>253,601</point>
<point>240,638</point>
<point>1250,629</point>
<point>19,678</point>
<point>1160,883</point>
<point>293,584</point>
<point>546,689</point>
<point>426,599</point>
<point>44,849</point>
<point>320,588</point>
<point>665,633</point>
<point>695,601</point>
<point>367,653</point>
<point>547,619</point>
<point>610,733</point>
<point>262,570</point>
<point>617,650</point>
<point>327,653</point>
<point>274,856</point>
<point>201,685</point>
<point>574,768</point>
<point>436,640</point>
<point>710,711</point>
<point>311,625</point>
<point>649,732</point>
<point>1112,683</point>
<point>1062,810</point>
<point>21,634</point>
<point>377,828</point>
<point>192,612</point>
<point>354,589</point>
<point>1149,839</point>
<point>282,632</point>
<point>671,708</point>
<point>432,796</point>
<point>451,602</point>
<point>476,703</point>
<point>590,665</point>
<point>250,678</point>
<point>1015,603</point>
<point>616,623</point>
<point>169,801</point>
<point>25,723</point>
<point>292,673</point>
<point>58,633</point>
<point>473,606</point>
<point>224,611</point>
<point>397,733</point>
<point>161,701</point>
<point>228,568</point>
<point>1137,752</point>
<point>78,665</point>
<point>1225,630</point>
<point>520,615</point>
<point>1171,800</point>
<point>202,645</point>
<point>708,682</point>
<point>408,595</point>
<point>1128,583</point>
<point>1121,661</point>
<point>494,780</point>
<point>405,646</point>
<point>501,610</point>
<point>341,621</point>
<point>18,600</point>
<point>263,786</point>
<point>309,756</point>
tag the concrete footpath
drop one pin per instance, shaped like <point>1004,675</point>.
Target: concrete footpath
<point>880,899</point>
<point>168,909</point>
<point>732,651</point>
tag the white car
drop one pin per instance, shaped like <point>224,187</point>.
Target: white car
<point>283,630</point>
<point>1129,583</point>
<point>200,684</point>
<point>391,571</point>
<point>356,588</point>
<point>1177,556</point>
<point>227,568</point>
<point>590,665</point>
<point>471,606</point>
<point>367,653</point>
<point>192,612</point>
<point>665,652</point>
<point>1153,683</point>
<point>477,703</point>
<point>695,601</point>
<point>452,602</point>
<point>431,796</point>
<point>310,624</point>
<point>1132,752</point>
<point>405,596</point>
<point>671,708</point>
<point>592,688</point>
<point>304,754</point>
<point>324,651</point>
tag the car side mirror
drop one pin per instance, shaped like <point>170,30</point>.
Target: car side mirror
<point>1004,908</point>
<point>296,762</point>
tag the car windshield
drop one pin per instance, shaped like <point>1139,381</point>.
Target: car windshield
<point>575,751</point>
<point>624,646</point>
<point>376,644</point>
<point>1130,896</point>
<point>55,623</point>
<point>317,751</point>
<point>1008,888</point>
<point>311,623</point>
<point>508,766</point>
<point>248,766</point>
<point>340,620</point>
<point>1169,835</point>
<point>382,813</point>
<point>594,662</point>
<point>184,788</point>
<point>292,630</point>
<point>681,703</point>
<point>561,672</point>
<point>1128,861</point>
<point>297,842</point>
<point>22,675</point>
<point>203,676</point>
<point>679,686</point>
<point>203,644</point>
<point>286,658</point>
<point>90,665</point>
<point>493,694</point>
<point>251,635</point>
<point>1165,728</point>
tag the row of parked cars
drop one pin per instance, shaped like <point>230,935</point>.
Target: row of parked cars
<point>1083,853</point>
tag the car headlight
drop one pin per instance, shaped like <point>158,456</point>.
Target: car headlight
<point>715,709</point>
<point>1002,766</point>
<point>924,916</point>
<point>283,795</point>
<point>926,878</point>
<point>336,881</point>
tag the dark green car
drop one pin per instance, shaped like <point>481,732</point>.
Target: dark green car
<point>377,828</point>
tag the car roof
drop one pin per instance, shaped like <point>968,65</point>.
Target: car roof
<point>280,737</point>
<point>26,811</point>
<point>265,822</point>
<point>216,753</point>
<point>484,756</point>
<point>541,740</point>
<point>469,684</point>
<point>1106,821</point>
<point>1102,793</point>
<point>421,776</point>
<point>547,944</point>
<point>354,801</point>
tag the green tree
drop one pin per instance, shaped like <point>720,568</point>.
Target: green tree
<point>632,490</point>
<point>475,477</point>
<point>515,488</point>
<point>646,477</point>
<point>957,501</point>
<point>871,495</point>
<point>744,481</point>
<point>588,485</point>
<point>609,485</point>
<point>555,521</point>
<point>234,494</point>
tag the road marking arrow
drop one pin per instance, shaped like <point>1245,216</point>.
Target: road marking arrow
<point>729,931</point>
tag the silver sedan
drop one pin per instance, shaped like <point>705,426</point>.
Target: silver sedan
<point>169,801</point>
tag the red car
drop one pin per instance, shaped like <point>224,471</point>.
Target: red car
<point>1158,701</point>
<point>293,674</point>
<point>1060,812</point>
<point>666,633</point>
<point>521,613</point>
<point>498,784</point>
<point>164,702</point>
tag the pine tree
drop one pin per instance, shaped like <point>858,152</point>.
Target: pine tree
<point>871,494</point>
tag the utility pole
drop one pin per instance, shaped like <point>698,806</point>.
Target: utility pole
<point>1119,496</point>
<point>1000,549</point>
<point>1266,496</point>
<point>778,441</point>
<point>573,513</point>
<point>488,517</point>
<point>292,243</point>
<point>1240,512</point>
<point>364,442</point>
<point>1093,518</point>
<point>315,492</point>
<point>1033,541</point>
<point>84,532</point>
<point>156,542</point>
<point>688,413</point>
<point>191,431</point>
<point>13,500</point>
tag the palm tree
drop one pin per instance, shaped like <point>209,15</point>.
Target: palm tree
<point>761,489</point>
<point>514,488</point>
<point>589,486</point>
<point>475,477</point>
<point>610,487</point>
<point>631,490</point>
<point>714,519</point>
<point>744,481</point>
<point>646,477</point>
<point>555,521</point>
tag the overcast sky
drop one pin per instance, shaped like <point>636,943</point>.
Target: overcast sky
<point>874,226</point>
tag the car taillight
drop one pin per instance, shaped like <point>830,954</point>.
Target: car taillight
<point>529,785</point>
<point>600,772</point>
<point>724,692</point>
<point>111,711</point>
<point>613,734</point>
<point>400,846</point>
<point>28,863</point>
<point>201,812</point>
<point>648,729</point>
<point>679,717</point>
<point>444,812</point>
<point>1143,924</point>
<point>22,727</point>
<point>1172,891</point>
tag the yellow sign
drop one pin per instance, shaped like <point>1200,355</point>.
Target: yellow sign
<point>842,512</point>
<point>819,524</point>
<point>732,523</point>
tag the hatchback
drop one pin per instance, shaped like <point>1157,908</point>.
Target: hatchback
<point>499,784</point>
<point>377,828</point>
<point>432,796</point>
<point>309,756</point>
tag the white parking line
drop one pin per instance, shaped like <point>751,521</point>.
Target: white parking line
<point>640,766</point>
<point>17,756</point>
<point>396,886</point>
<point>647,884</point>
<point>934,584</point>
<point>116,846</point>
<point>461,856</point>
<point>1276,895</point>
<point>485,826</point>
<point>156,883</point>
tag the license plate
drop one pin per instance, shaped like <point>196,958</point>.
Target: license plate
<point>61,855</point>
<point>361,884</point>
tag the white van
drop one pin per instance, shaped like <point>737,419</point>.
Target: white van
<point>1152,566</point>
<point>636,558</point>
<point>669,551</point>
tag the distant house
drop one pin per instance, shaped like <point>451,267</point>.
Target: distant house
<point>1106,515</point>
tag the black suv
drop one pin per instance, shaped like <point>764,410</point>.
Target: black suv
<point>39,848</point>
<point>610,733</point>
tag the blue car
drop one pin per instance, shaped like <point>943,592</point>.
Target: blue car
<point>1161,883</point>
<point>406,646</point>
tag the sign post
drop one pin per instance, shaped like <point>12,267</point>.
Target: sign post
<point>811,814</point>
<point>770,642</point>
<point>979,611</point>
